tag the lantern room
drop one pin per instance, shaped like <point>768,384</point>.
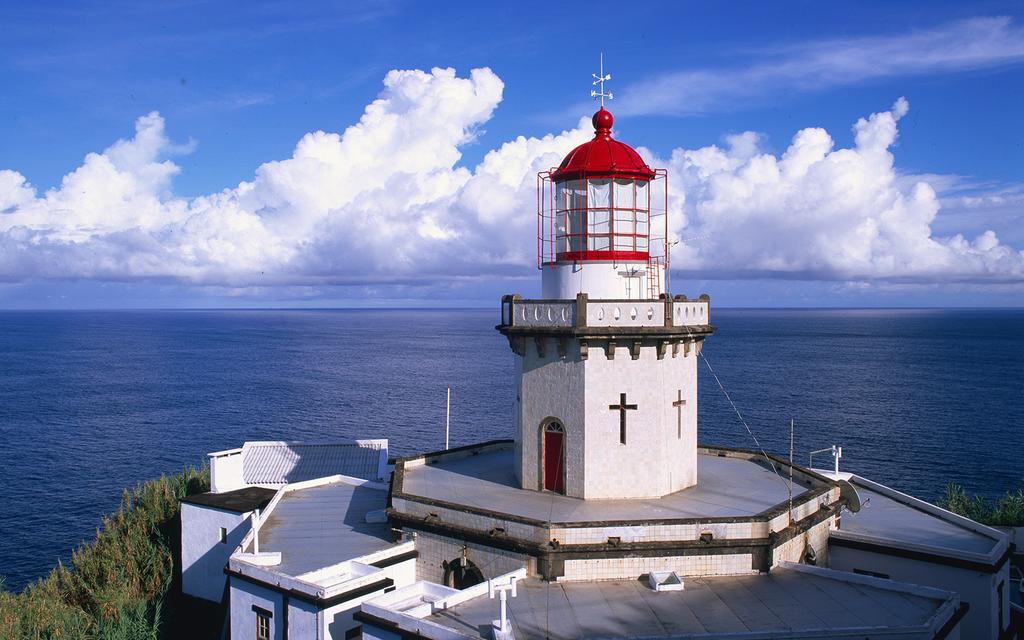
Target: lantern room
<point>602,227</point>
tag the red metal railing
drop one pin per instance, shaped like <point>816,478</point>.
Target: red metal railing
<point>568,242</point>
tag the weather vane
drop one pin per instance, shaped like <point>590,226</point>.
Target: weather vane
<point>600,80</point>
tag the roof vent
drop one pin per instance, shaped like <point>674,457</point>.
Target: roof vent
<point>665,581</point>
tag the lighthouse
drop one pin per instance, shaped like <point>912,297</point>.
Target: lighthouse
<point>606,361</point>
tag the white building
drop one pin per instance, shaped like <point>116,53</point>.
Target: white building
<point>899,537</point>
<point>602,516</point>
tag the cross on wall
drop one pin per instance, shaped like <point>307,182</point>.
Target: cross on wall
<point>622,408</point>
<point>678,404</point>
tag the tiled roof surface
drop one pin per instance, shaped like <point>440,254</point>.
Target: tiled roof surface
<point>284,462</point>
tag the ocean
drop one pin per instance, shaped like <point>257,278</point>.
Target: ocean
<point>93,402</point>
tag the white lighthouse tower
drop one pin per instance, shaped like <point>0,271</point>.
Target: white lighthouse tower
<point>606,393</point>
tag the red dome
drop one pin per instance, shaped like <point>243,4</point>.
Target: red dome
<point>602,157</point>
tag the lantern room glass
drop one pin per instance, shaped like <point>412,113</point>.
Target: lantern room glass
<point>602,215</point>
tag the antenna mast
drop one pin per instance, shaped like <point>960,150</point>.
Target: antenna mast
<point>791,425</point>
<point>600,79</point>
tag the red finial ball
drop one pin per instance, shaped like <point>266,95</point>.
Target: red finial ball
<point>603,120</point>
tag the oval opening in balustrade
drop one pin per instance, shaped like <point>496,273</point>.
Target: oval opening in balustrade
<point>617,313</point>
<point>650,313</point>
<point>565,314</point>
<point>600,313</point>
<point>551,314</point>
<point>632,313</point>
<point>536,313</point>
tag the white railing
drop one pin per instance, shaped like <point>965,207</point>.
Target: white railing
<point>635,313</point>
<point>542,313</point>
<point>605,313</point>
<point>691,313</point>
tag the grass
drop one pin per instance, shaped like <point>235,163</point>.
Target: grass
<point>1008,511</point>
<point>119,586</point>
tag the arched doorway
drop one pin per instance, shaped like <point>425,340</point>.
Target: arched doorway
<point>461,573</point>
<point>553,440</point>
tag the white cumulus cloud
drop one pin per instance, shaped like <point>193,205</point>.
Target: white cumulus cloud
<point>385,202</point>
<point>823,213</point>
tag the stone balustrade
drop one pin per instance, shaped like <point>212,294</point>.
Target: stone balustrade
<point>583,312</point>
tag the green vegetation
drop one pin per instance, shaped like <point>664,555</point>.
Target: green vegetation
<point>1008,511</point>
<point>124,584</point>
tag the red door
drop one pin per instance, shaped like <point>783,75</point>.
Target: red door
<point>554,458</point>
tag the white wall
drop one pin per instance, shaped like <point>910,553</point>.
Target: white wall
<point>655,460</point>
<point>375,633</point>
<point>550,387</point>
<point>337,620</point>
<point>607,280</point>
<point>305,619</point>
<point>203,555</point>
<point>244,595</point>
<point>974,587</point>
<point>226,470</point>
<point>658,458</point>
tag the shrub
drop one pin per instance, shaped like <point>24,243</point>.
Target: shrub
<point>116,585</point>
<point>1008,511</point>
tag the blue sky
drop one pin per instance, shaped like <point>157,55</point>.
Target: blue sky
<point>238,85</point>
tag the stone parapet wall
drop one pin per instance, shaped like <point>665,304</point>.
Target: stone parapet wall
<point>663,312</point>
<point>632,568</point>
<point>536,532</point>
<point>816,538</point>
<point>486,524</point>
<point>434,551</point>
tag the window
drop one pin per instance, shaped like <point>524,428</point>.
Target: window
<point>601,214</point>
<point>263,628</point>
<point>572,202</point>
<point>598,193</point>
<point>624,196</point>
<point>641,223</point>
<point>598,228</point>
<point>354,632</point>
<point>643,199</point>
<point>223,535</point>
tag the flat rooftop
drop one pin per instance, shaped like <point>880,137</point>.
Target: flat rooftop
<point>240,500</point>
<point>785,601</point>
<point>900,518</point>
<point>323,525</point>
<point>726,486</point>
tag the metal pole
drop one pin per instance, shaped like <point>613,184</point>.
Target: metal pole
<point>504,610</point>
<point>447,417</point>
